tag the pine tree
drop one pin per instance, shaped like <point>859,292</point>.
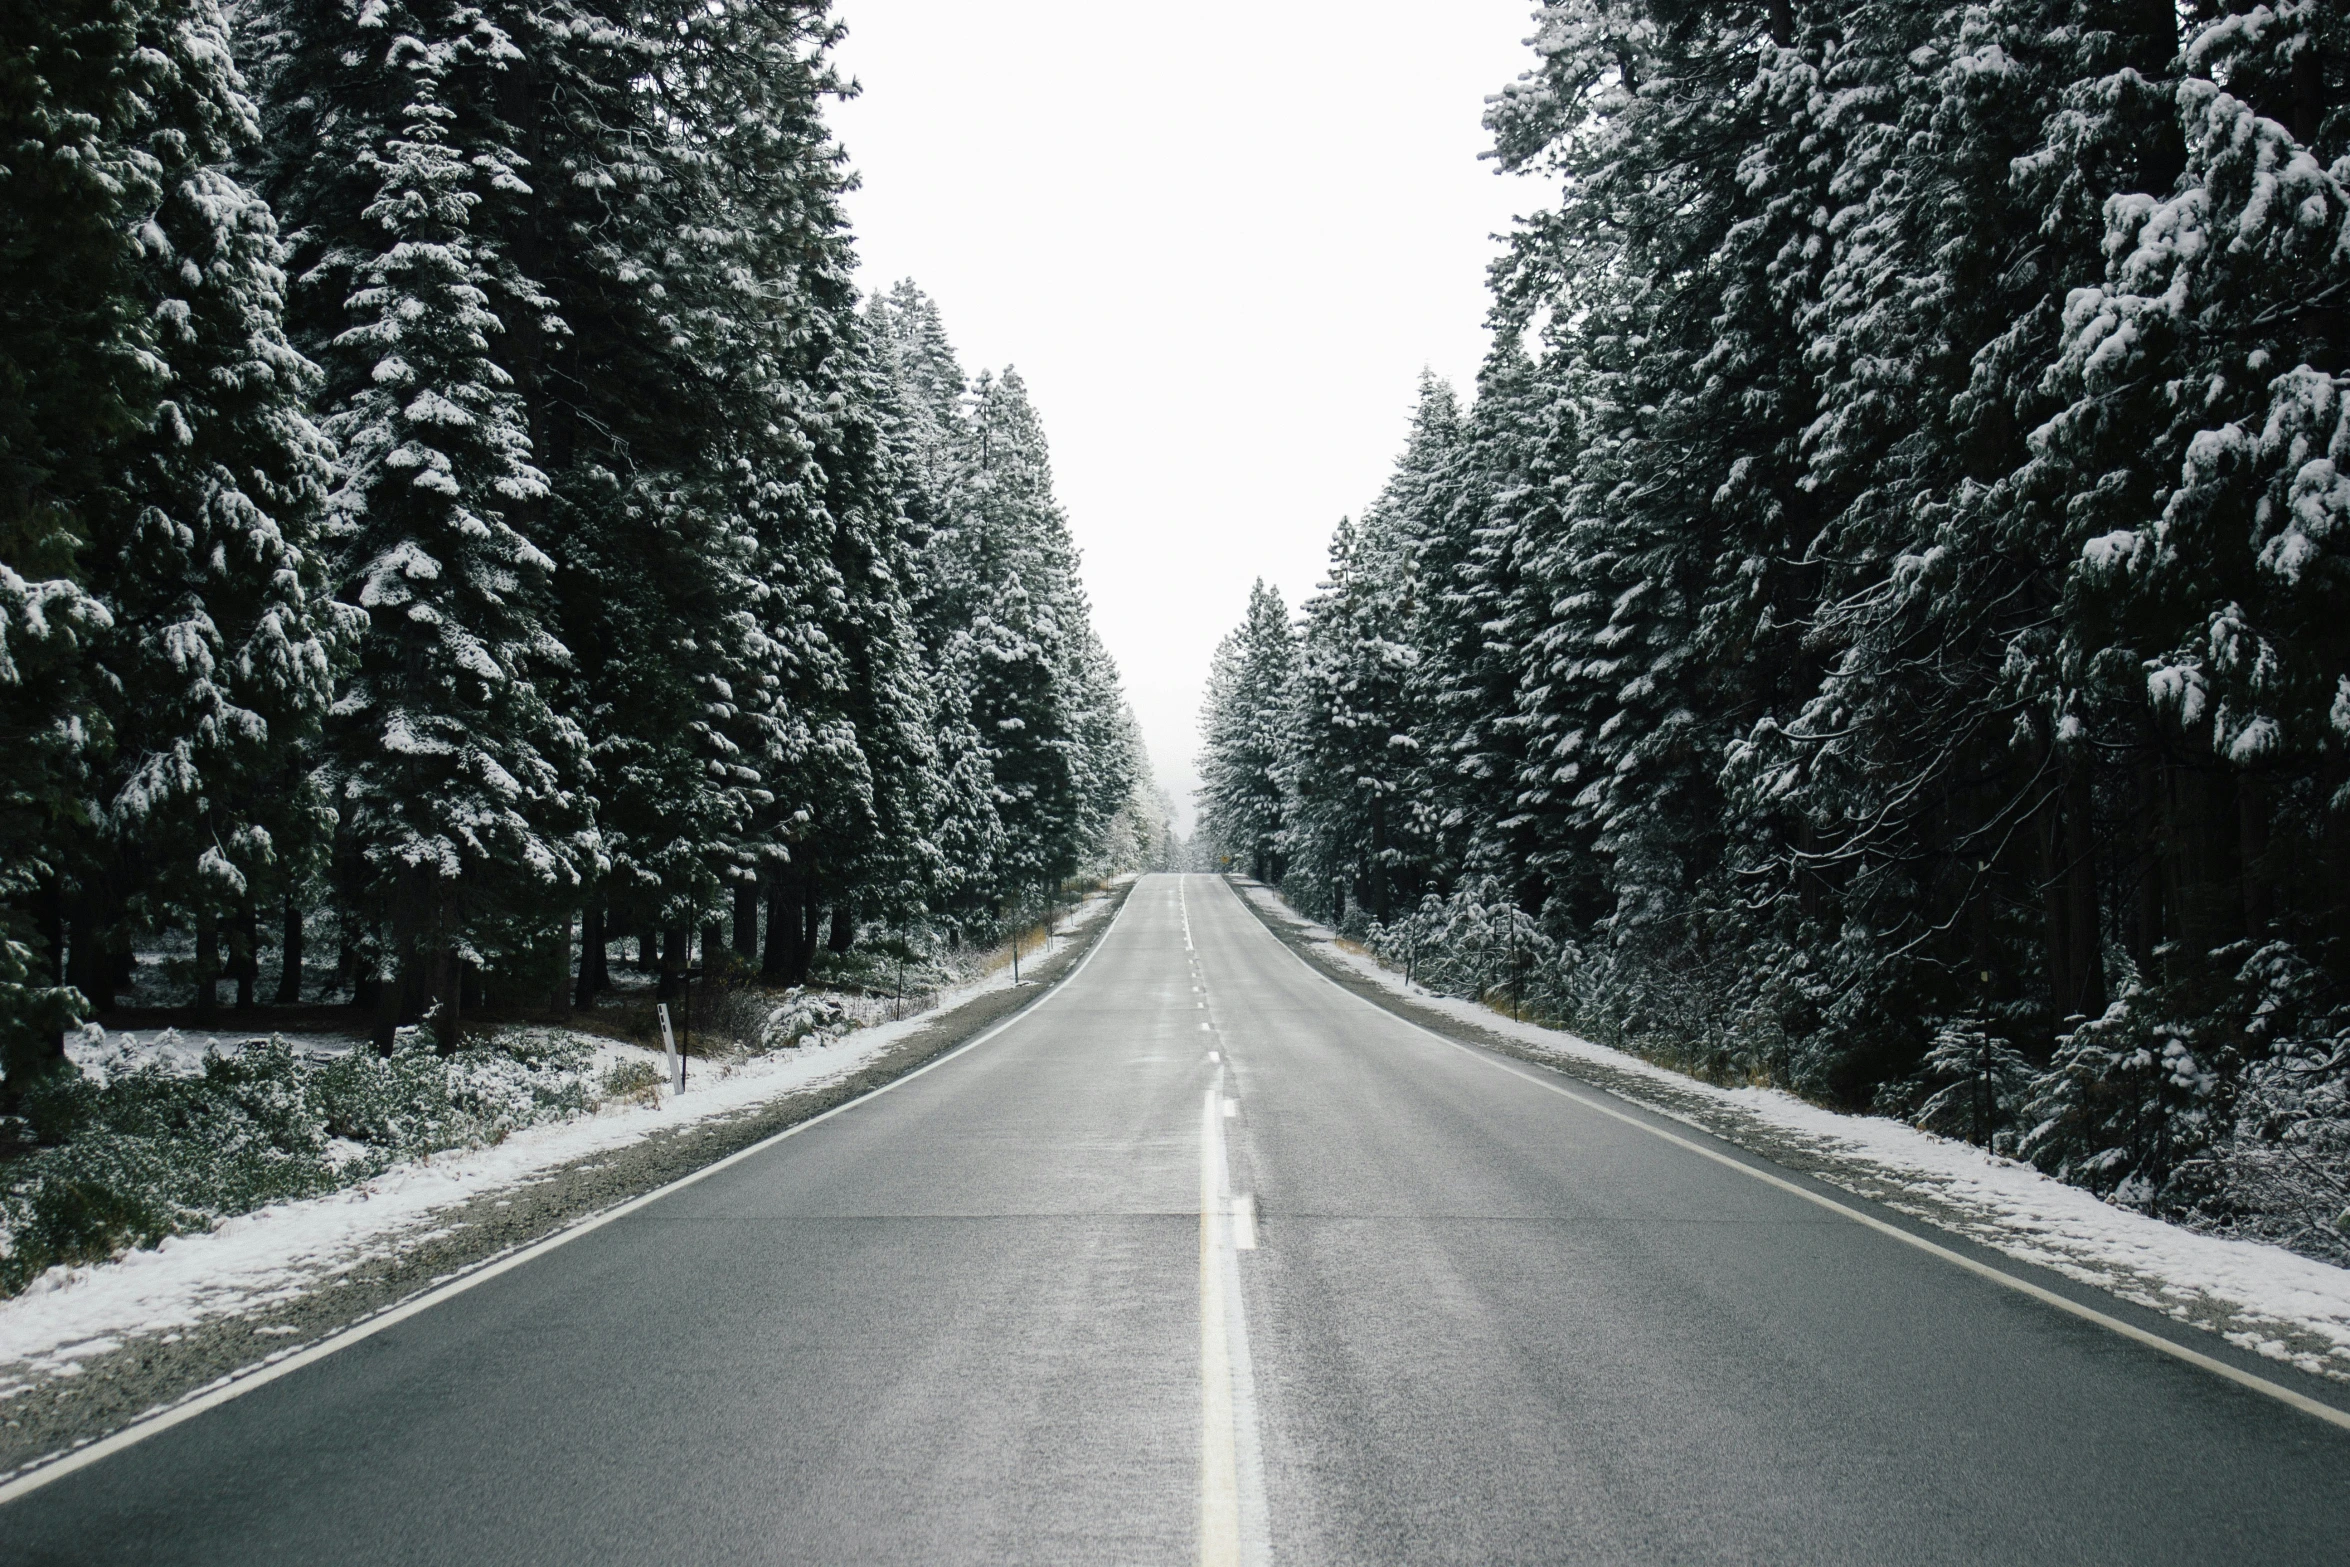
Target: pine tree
<point>1004,575</point>
<point>159,440</point>
<point>1361,821</point>
<point>850,823</point>
<point>693,238</point>
<point>1883,606</point>
<point>463,790</point>
<point>76,373</point>
<point>2194,473</point>
<point>1480,623</point>
<point>923,387</point>
<point>1244,738</point>
<point>1933,732</point>
<point>224,636</point>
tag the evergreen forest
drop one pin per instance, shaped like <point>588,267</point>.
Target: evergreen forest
<point>458,513</point>
<point>1881,625</point>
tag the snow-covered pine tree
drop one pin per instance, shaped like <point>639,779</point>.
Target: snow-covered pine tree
<point>77,373</point>
<point>635,394</point>
<point>1006,576</point>
<point>1480,623</point>
<point>47,722</point>
<point>2193,477</point>
<point>1219,710</point>
<point>1034,760</point>
<point>463,791</point>
<point>1359,825</point>
<point>220,660</point>
<point>157,434</point>
<point>1244,736</point>
<point>1112,767</point>
<point>851,764</point>
<point>1140,833</point>
<point>925,412</point>
<point>1934,732</point>
<point>1663,559</point>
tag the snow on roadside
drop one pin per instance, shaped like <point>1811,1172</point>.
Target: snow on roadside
<point>100,1054</point>
<point>2263,1298</point>
<point>278,1253</point>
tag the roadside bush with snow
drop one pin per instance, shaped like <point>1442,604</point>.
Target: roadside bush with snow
<point>104,1160</point>
<point>800,1016</point>
<point>2227,1112</point>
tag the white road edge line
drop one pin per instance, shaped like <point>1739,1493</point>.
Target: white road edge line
<point>1232,1516</point>
<point>2193,1357</point>
<point>1219,1453</point>
<point>239,1383</point>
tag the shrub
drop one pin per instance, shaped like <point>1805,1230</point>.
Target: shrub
<point>146,1149</point>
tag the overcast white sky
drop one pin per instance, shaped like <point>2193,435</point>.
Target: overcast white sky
<point>1220,240</point>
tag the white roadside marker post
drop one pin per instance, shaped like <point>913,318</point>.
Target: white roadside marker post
<point>669,1048</point>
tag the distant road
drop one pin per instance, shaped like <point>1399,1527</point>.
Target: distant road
<point>1010,1311</point>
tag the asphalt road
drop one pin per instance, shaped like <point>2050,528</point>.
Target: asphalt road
<point>1010,1311</point>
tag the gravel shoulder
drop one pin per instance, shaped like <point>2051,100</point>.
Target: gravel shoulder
<point>56,1410</point>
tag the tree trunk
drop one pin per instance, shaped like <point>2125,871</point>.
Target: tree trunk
<point>844,927</point>
<point>2203,894</point>
<point>591,946</point>
<point>559,996</point>
<point>24,1055</point>
<point>2082,905</point>
<point>122,969</point>
<point>746,921</point>
<point>90,966</point>
<point>2146,932</point>
<point>2252,848</point>
<point>808,922</point>
<point>207,969</point>
<point>289,977</point>
<point>673,961</point>
<point>795,927</point>
<point>245,954</point>
<point>448,979</point>
<point>2333,868</point>
<point>714,949</point>
<point>2068,878</point>
<point>395,966</point>
<point>50,900</point>
<point>437,976</point>
<point>782,926</point>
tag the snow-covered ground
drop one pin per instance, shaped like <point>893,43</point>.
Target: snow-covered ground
<point>277,1253</point>
<point>2260,1297</point>
<point>101,1053</point>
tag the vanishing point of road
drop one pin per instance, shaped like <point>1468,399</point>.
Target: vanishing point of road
<point>1204,1259</point>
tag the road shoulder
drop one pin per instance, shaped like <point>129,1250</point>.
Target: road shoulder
<point>58,1410</point>
<point>2271,1309</point>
